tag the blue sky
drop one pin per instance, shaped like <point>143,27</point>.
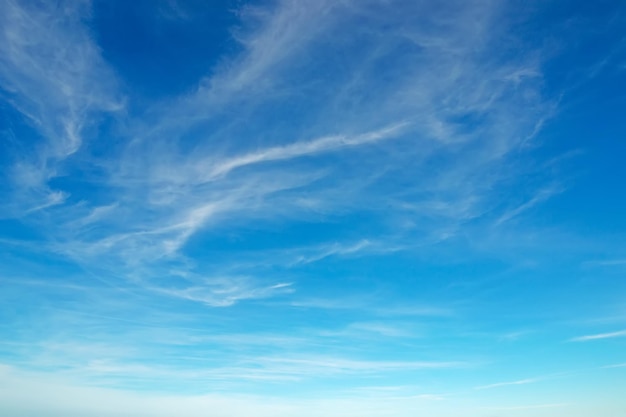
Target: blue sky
<point>337,208</point>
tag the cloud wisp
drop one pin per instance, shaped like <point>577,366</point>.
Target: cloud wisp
<point>296,150</point>
<point>52,73</point>
<point>599,336</point>
<point>504,384</point>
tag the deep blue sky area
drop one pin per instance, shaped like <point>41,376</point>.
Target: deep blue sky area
<point>163,48</point>
<point>312,208</point>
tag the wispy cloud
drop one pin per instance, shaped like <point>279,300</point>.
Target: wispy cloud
<point>52,72</point>
<point>226,292</point>
<point>617,365</point>
<point>331,365</point>
<point>539,197</point>
<point>296,150</point>
<point>609,262</point>
<point>600,336</point>
<point>504,384</point>
<point>326,251</point>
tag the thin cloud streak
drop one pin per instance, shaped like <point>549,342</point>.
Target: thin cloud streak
<point>600,336</point>
<point>540,197</point>
<point>504,384</point>
<point>618,365</point>
<point>227,292</point>
<point>54,75</point>
<point>297,150</point>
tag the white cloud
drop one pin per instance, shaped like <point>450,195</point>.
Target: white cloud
<point>504,384</point>
<point>600,336</point>
<point>617,365</point>
<point>334,250</point>
<point>610,262</point>
<point>539,197</point>
<point>296,150</point>
<point>225,292</point>
<point>52,73</point>
<point>332,365</point>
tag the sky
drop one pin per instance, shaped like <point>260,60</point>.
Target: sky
<point>368,208</point>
